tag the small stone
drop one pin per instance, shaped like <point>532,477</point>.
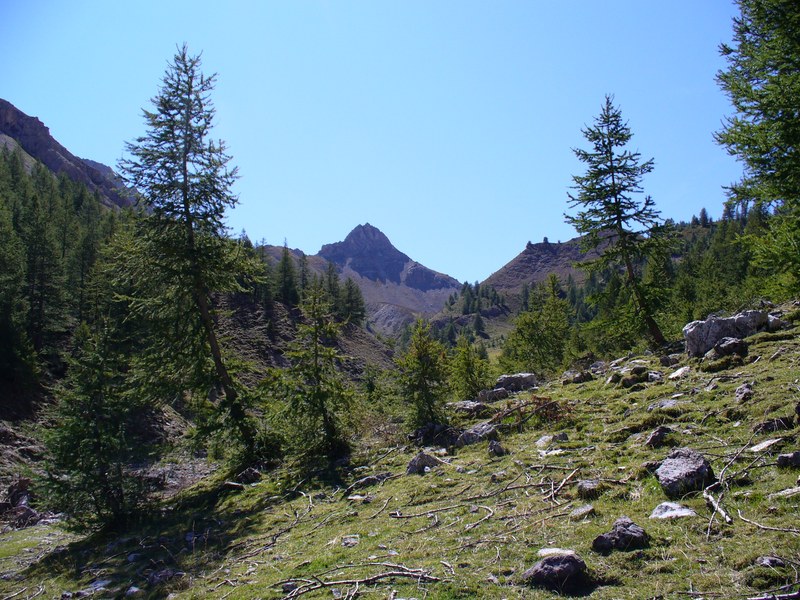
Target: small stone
<point>560,437</point>
<point>544,441</point>
<point>349,541</point>
<point>744,392</point>
<point>581,512</point>
<point>658,436</point>
<point>792,459</point>
<point>558,570</point>
<point>663,404</point>
<point>671,510</point>
<point>133,591</point>
<point>289,586</point>
<point>422,463</point>
<point>624,535</point>
<point>771,562</point>
<point>249,475</point>
<point>680,373</point>
<point>496,448</point>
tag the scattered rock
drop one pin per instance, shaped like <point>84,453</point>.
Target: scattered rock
<point>288,586</point>
<point>665,404</point>
<point>727,346</point>
<point>498,393</point>
<point>680,373</point>
<point>767,445</point>
<point>133,592</point>
<point>671,510</point>
<point>162,576</point>
<point>655,377</point>
<point>581,512</point>
<point>683,471</point>
<point>248,476</point>
<point>791,459</point>
<point>477,433</point>
<point>624,535</point>
<point>367,481</point>
<point>575,377</point>
<point>778,424</point>
<point>561,437</point>
<point>544,441</point>
<point>557,570</point>
<point>422,463</point>
<point>348,541</point>
<point>744,392</point>
<point>470,408</point>
<point>658,436</point>
<point>771,562</point>
<point>496,448</point>
<point>670,360</point>
<point>589,489</point>
<point>19,493</point>
<point>702,336</point>
<point>517,382</point>
<point>434,434</point>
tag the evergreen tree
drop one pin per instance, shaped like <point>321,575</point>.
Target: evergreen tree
<point>314,389</point>
<point>185,182</point>
<point>287,280</point>
<point>764,134</point>
<point>422,374</point>
<point>93,439</point>
<point>469,373</point>
<point>353,308</point>
<point>626,229</point>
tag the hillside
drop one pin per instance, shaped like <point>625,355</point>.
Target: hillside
<point>31,135</point>
<point>579,457</point>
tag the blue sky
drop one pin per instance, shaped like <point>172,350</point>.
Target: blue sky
<point>448,125</point>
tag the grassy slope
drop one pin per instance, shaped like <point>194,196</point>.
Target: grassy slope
<point>477,522</point>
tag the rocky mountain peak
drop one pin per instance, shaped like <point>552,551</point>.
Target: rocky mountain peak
<point>368,252</point>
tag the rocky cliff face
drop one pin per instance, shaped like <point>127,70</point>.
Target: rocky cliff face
<point>34,138</point>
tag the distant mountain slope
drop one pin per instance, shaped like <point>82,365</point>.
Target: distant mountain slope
<point>536,262</point>
<point>34,138</point>
<point>396,288</point>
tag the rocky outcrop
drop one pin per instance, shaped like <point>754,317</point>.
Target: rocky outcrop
<point>517,382</point>
<point>702,336</point>
<point>421,464</point>
<point>477,433</point>
<point>35,139</point>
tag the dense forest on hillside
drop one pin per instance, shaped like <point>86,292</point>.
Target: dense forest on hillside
<point>140,333</point>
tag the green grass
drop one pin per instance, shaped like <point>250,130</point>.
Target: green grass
<point>477,522</point>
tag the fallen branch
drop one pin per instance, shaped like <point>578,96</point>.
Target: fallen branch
<point>716,506</point>
<point>552,494</point>
<point>385,504</point>
<point>15,594</point>
<point>489,515</point>
<point>398,515</point>
<point>397,571</point>
<point>766,527</point>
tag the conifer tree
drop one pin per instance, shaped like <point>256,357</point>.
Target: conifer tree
<point>469,373</point>
<point>627,230</point>
<point>185,183</point>
<point>423,375</point>
<point>764,134</point>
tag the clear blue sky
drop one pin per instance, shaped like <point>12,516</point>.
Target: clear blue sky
<point>448,124</point>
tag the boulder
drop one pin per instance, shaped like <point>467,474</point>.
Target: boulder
<point>771,562</point>
<point>680,373</point>
<point>671,510</point>
<point>368,481</point>
<point>727,346</point>
<point>249,475</point>
<point>422,463</point>
<point>517,382</point>
<point>477,433</point>
<point>557,570</point>
<point>683,471</point>
<point>702,336</point>
<point>436,434</point>
<point>624,535</point>
<point>583,511</point>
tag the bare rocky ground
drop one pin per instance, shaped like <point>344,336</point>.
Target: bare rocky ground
<point>654,476</point>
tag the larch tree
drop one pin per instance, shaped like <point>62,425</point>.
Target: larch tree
<point>611,214</point>
<point>762,83</point>
<point>185,179</point>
